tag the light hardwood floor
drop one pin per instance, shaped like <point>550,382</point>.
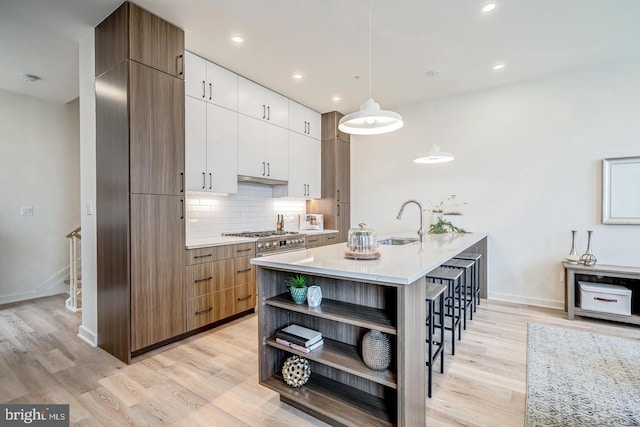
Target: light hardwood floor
<point>211,379</point>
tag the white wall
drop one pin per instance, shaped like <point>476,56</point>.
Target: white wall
<point>39,167</point>
<point>528,164</point>
<point>89,328</point>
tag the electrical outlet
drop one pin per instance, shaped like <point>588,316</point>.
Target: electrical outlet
<point>26,210</point>
<point>89,208</point>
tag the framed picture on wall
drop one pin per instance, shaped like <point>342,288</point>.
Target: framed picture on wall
<point>620,194</point>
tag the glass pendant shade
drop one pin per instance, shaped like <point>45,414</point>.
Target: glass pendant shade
<point>435,155</point>
<point>370,120</point>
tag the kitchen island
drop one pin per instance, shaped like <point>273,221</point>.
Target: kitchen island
<point>386,294</point>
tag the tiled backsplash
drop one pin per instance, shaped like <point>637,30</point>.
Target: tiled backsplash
<point>251,209</point>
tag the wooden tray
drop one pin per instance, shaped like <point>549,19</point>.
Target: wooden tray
<point>362,255</point>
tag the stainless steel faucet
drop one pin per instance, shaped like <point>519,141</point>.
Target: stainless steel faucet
<point>421,231</point>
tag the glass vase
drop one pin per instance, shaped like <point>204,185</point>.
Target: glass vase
<point>573,256</point>
<point>588,258</point>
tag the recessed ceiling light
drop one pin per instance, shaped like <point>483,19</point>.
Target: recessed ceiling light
<point>488,7</point>
<point>237,39</point>
<point>498,66</point>
<point>336,98</point>
<point>31,77</point>
<point>297,76</point>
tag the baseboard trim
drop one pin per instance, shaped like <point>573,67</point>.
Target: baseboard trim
<point>537,302</point>
<point>88,336</point>
<point>54,285</point>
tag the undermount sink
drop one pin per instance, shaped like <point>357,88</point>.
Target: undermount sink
<point>395,241</point>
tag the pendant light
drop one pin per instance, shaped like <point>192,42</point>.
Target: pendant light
<point>370,120</point>
<point>434,155</point>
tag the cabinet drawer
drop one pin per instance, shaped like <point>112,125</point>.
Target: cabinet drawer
<point>244,250</point>
<point>199,256</point>
<point>224,304</point>
<point>313,241</point>
<point>210,277</point>
<point>330,239</point>
<point>200,311</point>
<point>244,271</point>
<point>245,296</point>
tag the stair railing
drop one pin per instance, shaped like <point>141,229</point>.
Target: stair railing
<point>74,302</point>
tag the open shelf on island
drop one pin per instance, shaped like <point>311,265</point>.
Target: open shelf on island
<point>344,357</point>
<point>331,399</point>
<point>352,314</point>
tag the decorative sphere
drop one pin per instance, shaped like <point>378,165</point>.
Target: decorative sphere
<point>296,371</point>
<point>589,260</point>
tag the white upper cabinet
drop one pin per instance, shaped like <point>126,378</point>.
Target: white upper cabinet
<point>209,82</point>
<point>211,147</point>
<point>261,103</point>
<point>304,120</point>
<point>263,149</point>
<point>195,75</point>
<point>195,144</point>
<point>304,168</point>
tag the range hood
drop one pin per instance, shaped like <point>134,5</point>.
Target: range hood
<point>261,180</point>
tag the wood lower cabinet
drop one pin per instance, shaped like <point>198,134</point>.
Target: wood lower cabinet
<point>324,239</point>
<point>157,233</point>
<point>139,182</point>
<point>221,282</point>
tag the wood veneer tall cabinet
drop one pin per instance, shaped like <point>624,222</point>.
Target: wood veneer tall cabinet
<point>140,181</point>
<point>335,203</point>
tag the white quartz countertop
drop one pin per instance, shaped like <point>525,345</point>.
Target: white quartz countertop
<point>205,242</point>
<point>315,232</point>
<point>402,264</point>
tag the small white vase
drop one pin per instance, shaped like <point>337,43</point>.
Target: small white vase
<point>314,296</point>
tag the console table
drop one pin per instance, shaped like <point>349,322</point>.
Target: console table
<point>610,274</point>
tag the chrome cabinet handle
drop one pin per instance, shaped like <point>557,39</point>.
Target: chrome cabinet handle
<point>268,113</point>
<point>243,271</point>
<point>309,131</point>
<point>268,169</point>
<point>204,91</point>
<point>182,182</point>
<point>264,168</point>
<point>210,180</point>
<point>338,199</point>
<point>202,256</point>
<point>203,280</point>
<point>264,111</point>
<point>243,250</point>
<point>181,209</point>
<point>338,210</point>
<point>203,311</point>
<point>204,180</point>
<point>210,91</point>
<point>245,298</point>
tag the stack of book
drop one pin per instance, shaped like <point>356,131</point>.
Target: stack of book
<point>299,338</point>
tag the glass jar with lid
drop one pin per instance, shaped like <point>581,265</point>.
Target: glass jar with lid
<point>362,239</point>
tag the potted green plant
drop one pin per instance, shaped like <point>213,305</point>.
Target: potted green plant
<point>297,285</point>
<point>444,226</point>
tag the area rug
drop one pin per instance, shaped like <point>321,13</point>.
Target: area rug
<point>581,379</point>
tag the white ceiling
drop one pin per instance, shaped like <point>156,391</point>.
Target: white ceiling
<point>326,41</point>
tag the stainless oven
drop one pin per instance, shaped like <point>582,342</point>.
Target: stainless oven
<point>274,242</point>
